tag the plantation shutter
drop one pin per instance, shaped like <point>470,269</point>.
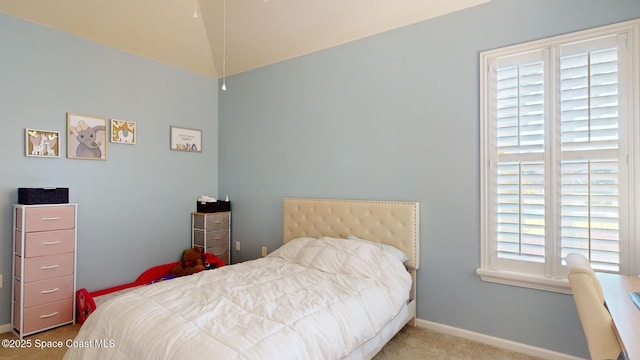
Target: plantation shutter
<point>589,143</point>
<point>559,120</point>
<point>586,141</point>
<point>520,168</point>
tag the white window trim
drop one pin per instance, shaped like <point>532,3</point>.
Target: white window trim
<point>631,264</point>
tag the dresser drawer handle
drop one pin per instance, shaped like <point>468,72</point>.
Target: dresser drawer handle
<point>51,242</point>
<point>49,291</point>
<point>49,267</point>
<point>53,218</point>
<point>48,315</point>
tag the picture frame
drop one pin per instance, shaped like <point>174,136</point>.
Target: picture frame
<point>185,139</point>
<point>42,143</point>
<point>86,137</point>
<point>123,132</point>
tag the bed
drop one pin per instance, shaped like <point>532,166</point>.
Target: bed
<point>340,287</point>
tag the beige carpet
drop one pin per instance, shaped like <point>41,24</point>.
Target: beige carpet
<point>58,334</point>
<point>420,343</point>
<point>410,343</point>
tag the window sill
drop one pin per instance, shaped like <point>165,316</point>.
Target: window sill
<point>523,280</point>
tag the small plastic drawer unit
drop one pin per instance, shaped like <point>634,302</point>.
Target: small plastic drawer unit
<point>44,263</point>
<point>212,232</point>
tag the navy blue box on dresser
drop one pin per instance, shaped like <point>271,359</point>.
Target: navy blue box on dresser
<point>48,195</point>
<point>213,207</point>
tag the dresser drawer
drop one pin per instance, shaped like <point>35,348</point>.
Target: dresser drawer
<point>44,316</point>
<point>218,221</point>
<point>44,267</point>
<point>216,236</point>
<point>45,291</point>
<point>46,243</point>
<point>217,248</point>
<point>45,218</point>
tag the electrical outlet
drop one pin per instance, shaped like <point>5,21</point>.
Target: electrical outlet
<point>237,245</point>
<point>264,251</point>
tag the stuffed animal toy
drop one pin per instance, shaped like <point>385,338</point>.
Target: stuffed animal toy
<point>193,261</point>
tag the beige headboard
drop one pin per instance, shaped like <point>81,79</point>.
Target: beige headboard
<point>389,222</point>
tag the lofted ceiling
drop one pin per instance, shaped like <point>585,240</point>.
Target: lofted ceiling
<point>258,32</point>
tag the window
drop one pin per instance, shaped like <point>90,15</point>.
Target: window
<point>558,119</point>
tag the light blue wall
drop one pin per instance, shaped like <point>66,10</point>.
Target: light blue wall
<point>134,208</point>
<point>396,116</point>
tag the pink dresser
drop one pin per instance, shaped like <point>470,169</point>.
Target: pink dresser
<point>44,258</point>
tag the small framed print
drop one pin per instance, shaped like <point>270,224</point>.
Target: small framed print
<point>123,132</point>
<point>183,139</point>
<point>86,137</point>
<point>42,143</point>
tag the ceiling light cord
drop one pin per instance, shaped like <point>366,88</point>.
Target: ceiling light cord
<point>224,46</point>
<point>195,9</point>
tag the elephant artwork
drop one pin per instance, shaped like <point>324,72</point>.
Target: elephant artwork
<point>87,140</point>
<point>123,132</point>
<point>42,143</point>
<point>37,144</point>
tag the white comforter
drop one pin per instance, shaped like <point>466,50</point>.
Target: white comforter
<point>310,299</point>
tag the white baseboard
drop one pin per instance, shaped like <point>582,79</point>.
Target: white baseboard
<point>497,342</point>
<point>5,328</point>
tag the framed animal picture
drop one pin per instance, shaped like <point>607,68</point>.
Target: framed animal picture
<point>183,139</point>
<point>123,132</point>
<point>42,143</point>
<point>86,137</point>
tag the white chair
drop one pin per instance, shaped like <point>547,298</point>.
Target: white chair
<point>594,316</point>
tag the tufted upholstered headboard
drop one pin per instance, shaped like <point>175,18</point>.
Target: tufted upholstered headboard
<point>389,222</point>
